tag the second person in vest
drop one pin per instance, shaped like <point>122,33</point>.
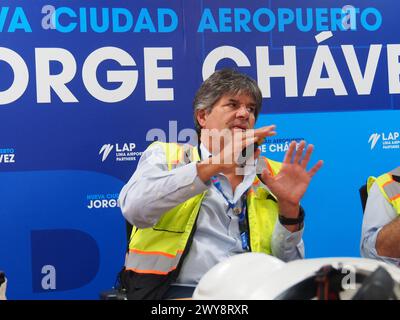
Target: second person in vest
<point>192,207</point>
<point>381,223</point>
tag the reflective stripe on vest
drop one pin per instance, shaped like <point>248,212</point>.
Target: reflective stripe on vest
<point>389,187</point>
<point>392,189</point>
<point>158,250</point>
<point>152,262</point>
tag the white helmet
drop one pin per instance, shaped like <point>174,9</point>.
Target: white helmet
<point>256,276</point>
<point>235,277</point>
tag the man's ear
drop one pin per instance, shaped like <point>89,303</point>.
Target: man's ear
<point>201,116</point>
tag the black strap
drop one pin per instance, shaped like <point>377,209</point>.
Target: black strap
<point>378,286</point>
<point>326,284</point>
<point>293,221</point>
<point>396,178</point>
<point>129,228</point>
<point>363,196</point>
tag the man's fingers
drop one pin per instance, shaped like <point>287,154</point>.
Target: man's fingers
<point>265,177</point>
<point>316,167</point>
<point>260,134</point>
<point>289,153</point>
<point>307,157</point>
<point>246,149</point>
<point>299,152</point>
<point>263,132</point>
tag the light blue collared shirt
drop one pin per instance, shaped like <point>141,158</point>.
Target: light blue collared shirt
<point>153,190</point>
<point>378,213</point>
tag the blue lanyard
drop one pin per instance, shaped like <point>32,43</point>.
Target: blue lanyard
<point>243,225</point>
<point>217,184</point>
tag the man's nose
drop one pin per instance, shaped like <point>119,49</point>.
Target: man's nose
<point>242,111</point>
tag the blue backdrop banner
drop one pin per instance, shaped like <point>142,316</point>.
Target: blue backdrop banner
<point>85,86</point>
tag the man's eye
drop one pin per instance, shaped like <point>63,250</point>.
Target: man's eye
<point>251,109</point>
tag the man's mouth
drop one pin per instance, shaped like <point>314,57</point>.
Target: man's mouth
<point>239,127</point>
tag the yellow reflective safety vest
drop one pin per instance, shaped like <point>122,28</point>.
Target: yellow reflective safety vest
<point>157,253</point>
<point>389,185</point>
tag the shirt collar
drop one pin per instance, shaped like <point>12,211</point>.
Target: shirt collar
<point>205,154</point>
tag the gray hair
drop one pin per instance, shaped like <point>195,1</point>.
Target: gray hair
<point>220,83</point>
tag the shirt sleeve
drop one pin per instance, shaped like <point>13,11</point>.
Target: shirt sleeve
<point>152,190</point>
<point>378,213</point>
<point>287,245</point>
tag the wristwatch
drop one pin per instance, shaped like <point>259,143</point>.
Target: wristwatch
<point>292,221</point>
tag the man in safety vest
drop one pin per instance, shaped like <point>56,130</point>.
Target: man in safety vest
<point>192,207</point>
<point>381,223</point>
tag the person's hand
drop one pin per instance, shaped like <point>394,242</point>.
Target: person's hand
<point>234,141</point>
<point>291,183</point>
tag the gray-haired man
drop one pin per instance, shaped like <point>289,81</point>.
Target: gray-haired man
<point>191,207</point>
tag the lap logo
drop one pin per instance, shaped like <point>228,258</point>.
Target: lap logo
<point>373,139</point>
<point>102,201</point>
<point>123,152</point>
<point>63,259</point>
<point>387,140</point>
<point>7,155</point>
<point>106,149</point>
